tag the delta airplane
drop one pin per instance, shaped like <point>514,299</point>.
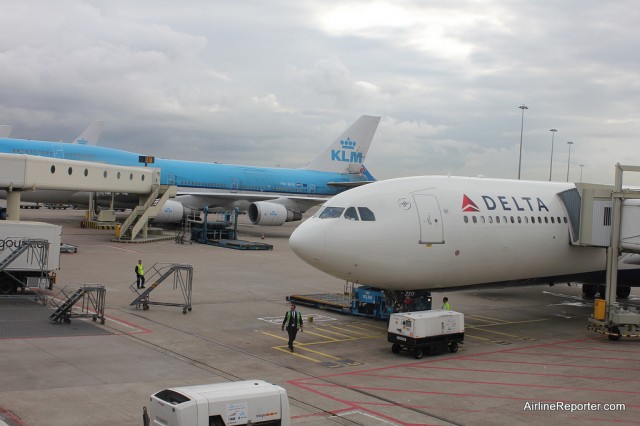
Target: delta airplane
<point>271,196</point>
<point>439,233</point>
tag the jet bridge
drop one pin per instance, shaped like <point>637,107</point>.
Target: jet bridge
<point>609,217</point>
<point>22,172</point>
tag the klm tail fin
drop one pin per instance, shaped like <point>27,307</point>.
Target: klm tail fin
<point>347,153</point>
<point>5,130</point>
<point>91,134</point>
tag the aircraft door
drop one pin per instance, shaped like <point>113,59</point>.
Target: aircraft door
<point>431,230</point>
<point>57,151</point>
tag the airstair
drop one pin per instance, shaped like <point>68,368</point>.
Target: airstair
<point>151,205</point>
<point>160,272</point>
<point>92,297</point>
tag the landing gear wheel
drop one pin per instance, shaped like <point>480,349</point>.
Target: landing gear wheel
<point>94,318</point>
<point>189,308</point>
<point>184,311</point>
<point>453,347</point>
<point>615,333</point>
<point>418,354</point>
<point>623,292</point>
<point>589,290</point>
<point>102,321</point>
<point>396,348</point>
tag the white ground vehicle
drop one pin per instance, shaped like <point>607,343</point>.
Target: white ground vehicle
<point>426,331</point>
<point>29,255</point>
<point>254,402</point>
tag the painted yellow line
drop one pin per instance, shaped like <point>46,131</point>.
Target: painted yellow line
<point>357,333</point>
<point>324,330</point>
<point>475,337</point>
<point>483,318</point>
<point>304,348</point>
<point>361,328</point>
<point>320,335</point>
<point>510,323</point>
<point>497,332</point>
<point>286,350</point>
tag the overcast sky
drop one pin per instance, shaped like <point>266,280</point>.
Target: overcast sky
<point>272,82</point>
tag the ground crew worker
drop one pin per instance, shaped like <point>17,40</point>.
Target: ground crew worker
<point>293,322</point>
<point>445,304</point>
<point>139,274</point>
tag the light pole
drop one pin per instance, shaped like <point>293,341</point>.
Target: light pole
<point>581,166</point>
<point>569,159</point>
<point>553,133</point>
<point>522,107</point>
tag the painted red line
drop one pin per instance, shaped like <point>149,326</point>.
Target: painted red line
<point>505,384</point>
<point>355,406</point>
<point>582,366</point>
<point>577,356</point>
<point>526,373</point>
<point>599,349</point>
<point>10,416</point>
<point>465,395</point>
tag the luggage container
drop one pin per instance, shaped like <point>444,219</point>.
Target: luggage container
<point>253,402</point>
<point>426,331</point>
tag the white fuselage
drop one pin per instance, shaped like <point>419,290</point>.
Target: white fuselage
<point>439,232</point>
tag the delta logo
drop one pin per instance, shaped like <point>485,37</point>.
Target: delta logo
<point>348,153</point>
<point>505,203</point>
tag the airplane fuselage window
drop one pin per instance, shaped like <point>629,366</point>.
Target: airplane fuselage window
<point>366,215</point>
<point>351,214</point>
<point>331,212</point>
<point>490,219</point>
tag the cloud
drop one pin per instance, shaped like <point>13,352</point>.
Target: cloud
<point>252,83</point>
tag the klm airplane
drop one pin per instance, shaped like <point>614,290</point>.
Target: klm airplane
<point>271,196</point>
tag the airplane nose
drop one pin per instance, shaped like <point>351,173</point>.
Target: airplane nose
<point>308,242</point>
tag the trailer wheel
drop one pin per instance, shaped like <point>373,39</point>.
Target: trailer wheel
<point>145,306</point>
<point>615,333</point>
<point>396,348</point>
<point>418,354</point>
<point>453,347</point>
<point>6,287</point>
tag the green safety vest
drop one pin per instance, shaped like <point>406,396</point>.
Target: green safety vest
<point>287,317</point>
<point>446,306</point>
<point>140,269</point>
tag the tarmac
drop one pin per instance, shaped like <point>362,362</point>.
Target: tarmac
<point>527,358</point>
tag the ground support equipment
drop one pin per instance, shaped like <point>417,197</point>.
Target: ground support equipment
<point>182,279</point>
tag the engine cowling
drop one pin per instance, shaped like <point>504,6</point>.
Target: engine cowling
<point>172,212</point>
<point>271,214</point>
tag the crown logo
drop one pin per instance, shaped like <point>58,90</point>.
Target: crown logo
<point>348,143</point>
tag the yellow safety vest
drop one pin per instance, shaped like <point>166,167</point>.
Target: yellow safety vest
<point>446,306</point>
<point>140,268</point>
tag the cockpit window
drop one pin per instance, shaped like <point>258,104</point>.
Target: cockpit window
<point>366,214</point>
<point>331,212</point>
<point>351,214</point>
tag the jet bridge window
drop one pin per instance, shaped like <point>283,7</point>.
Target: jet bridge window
<point>366,215</point>
<point>331,212</point>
